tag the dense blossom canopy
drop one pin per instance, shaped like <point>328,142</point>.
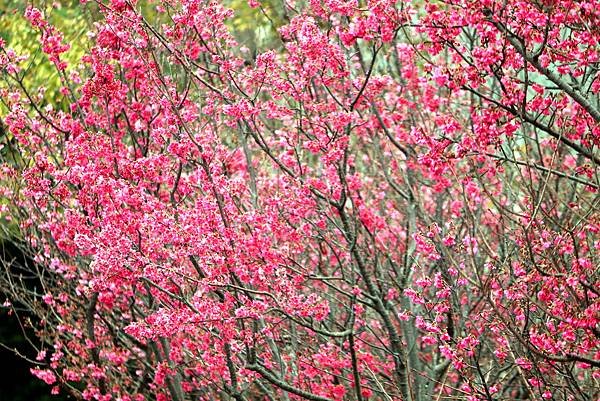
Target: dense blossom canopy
<point>394,200</point>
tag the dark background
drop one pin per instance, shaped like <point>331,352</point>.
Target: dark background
<point>16,381</point>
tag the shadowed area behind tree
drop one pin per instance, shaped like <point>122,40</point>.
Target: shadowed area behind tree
<point>16,381</point>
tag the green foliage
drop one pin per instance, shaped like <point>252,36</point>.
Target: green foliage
<point>38,72</point>
<point>256,28</point>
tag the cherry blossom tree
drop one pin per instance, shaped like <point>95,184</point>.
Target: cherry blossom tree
<point>395,201</point>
